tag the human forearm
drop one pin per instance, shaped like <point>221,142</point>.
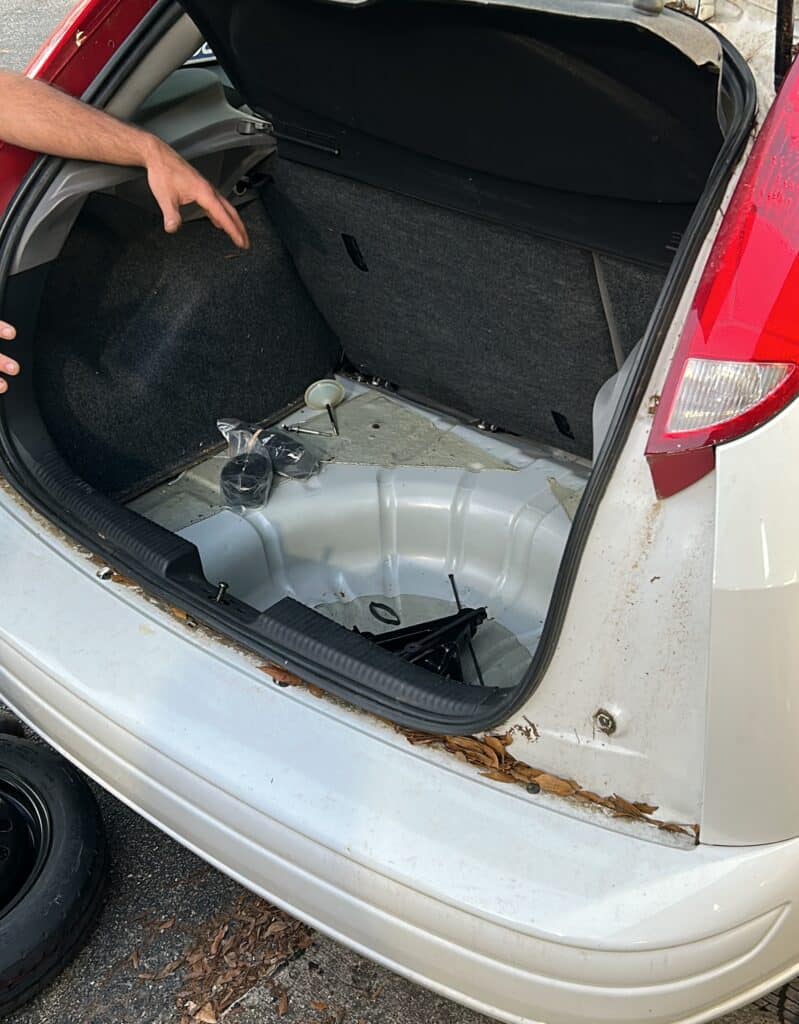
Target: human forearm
<point>38,117</point>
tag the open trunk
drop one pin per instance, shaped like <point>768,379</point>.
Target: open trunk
<point>466,215</point>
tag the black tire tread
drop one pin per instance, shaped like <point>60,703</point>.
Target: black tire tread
<point>47,944</point>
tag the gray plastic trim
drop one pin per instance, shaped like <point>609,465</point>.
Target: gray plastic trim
<point>171,51</point>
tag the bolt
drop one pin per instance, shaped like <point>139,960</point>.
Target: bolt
<point>221,590</point>
<point>605,722</point>
<point>105,574</point>
<point>654,402</point>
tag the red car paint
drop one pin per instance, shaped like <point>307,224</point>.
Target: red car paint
<point>71,59</point>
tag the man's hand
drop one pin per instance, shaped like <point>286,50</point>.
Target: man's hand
<point>40,118</point>
<point>7,366</point>
<point>175,183</point>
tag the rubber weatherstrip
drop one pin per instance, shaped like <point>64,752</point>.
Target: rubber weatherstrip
<point>402,698</point>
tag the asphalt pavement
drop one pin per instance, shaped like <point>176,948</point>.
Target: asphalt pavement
<point>178,940</point>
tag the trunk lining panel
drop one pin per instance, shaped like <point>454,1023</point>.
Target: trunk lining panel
<point>496,323</point>
<point>144,340</point>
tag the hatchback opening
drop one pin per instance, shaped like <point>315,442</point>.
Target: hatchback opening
<point>463,215</point>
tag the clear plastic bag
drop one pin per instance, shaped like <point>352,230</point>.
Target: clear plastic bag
<point>255,454</point>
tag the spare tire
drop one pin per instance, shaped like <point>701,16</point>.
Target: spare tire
<point>53,866</point>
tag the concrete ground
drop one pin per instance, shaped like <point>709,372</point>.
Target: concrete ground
<point>176,937</point>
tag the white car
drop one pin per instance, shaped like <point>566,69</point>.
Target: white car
<point>498,684</point>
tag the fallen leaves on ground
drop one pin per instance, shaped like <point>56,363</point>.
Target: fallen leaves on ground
<point>235,951</point>
<point>490,754</point>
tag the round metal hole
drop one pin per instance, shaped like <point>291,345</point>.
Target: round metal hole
<point>383,613</point>
<point>604,721</point>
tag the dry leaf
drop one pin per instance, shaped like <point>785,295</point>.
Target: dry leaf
<point>552,784</point>
<point>283,1003</point>
<point>146,977</point>
<point>217,940</point>
<point>671,826</point>
<point>281,675</point>
<point>625,807</point>
<point>318,1005</point>
<point>164,926</point>
<point>594,798</point>
<point>497,776</point>
<point>524,773</point>
<point>496,745</point>
<point>645,808</point>
<point>135,959</point>
<point>466,743</point>
<point>277,927</point>
<point>206,1014</point>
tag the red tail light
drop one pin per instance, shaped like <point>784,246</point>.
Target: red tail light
<point>737,361</point>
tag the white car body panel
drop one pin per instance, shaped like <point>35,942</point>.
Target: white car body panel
<point>334,816</point>
<point>752,753</point>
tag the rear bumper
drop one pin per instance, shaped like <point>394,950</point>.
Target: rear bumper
<point>483,895</point>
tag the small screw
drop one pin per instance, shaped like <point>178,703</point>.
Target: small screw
<point>221,590</point>
<point>605,722</point>
<point>654,402</point>
<point>533,787</point>
<point>489,428</point>
<point>105,573</point>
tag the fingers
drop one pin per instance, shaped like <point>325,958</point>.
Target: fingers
<point>170,211</point>
<point>223,215</point>
<point>175,183</point>
<point>8,366</point>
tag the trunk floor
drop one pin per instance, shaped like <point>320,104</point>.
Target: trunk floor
<point>405,496</point>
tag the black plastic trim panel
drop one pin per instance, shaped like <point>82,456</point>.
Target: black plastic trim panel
<point>330,650</point>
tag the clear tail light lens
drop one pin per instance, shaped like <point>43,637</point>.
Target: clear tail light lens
<point>737,360</point>
<point>715,391</point>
